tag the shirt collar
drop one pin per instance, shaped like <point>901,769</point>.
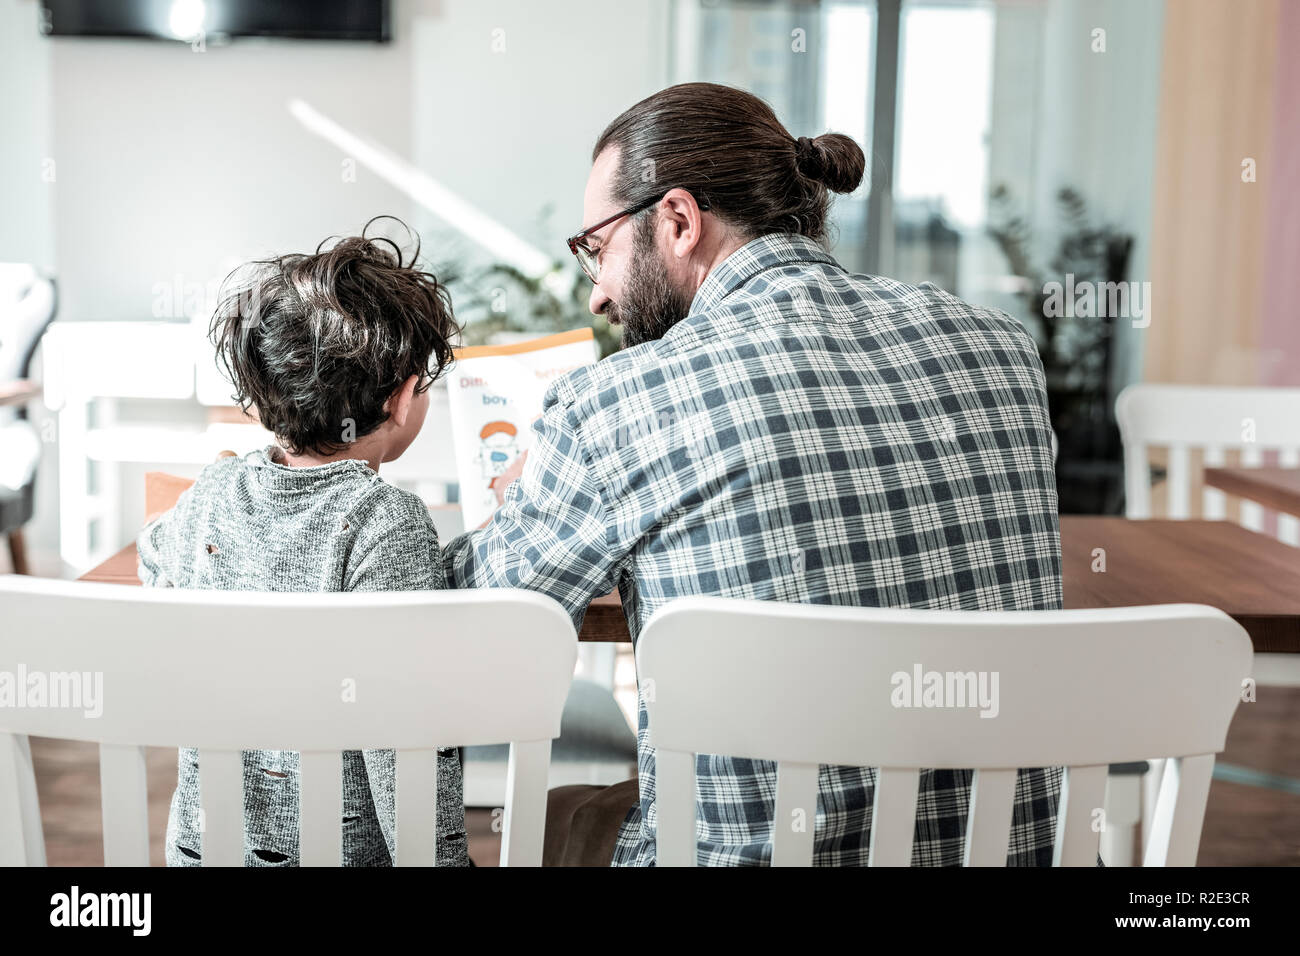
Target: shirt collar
<point>275,472</point>
<point>757,255</point>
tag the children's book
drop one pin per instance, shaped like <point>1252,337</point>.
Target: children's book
<point>495,393</point>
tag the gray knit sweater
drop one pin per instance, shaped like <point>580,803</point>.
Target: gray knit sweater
<point>332,527</point>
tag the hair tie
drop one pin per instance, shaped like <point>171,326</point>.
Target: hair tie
<point>807,158</point>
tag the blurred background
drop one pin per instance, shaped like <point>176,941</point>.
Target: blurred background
<point>1011,143</point>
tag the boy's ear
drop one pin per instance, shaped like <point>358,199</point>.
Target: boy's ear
<point>398,405</point>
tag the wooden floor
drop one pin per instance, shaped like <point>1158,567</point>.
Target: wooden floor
<point>1245,825</point>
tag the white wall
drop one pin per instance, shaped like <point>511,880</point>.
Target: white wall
<point>174,165</point>
<point>26,225</point>
<point>509,97</point>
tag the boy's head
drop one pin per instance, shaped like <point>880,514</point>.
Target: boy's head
<point>337,345</point>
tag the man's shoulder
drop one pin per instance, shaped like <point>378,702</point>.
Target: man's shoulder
<point>924,311</point>
<point>733,329</point>
<point>927,304</point>
<point>992,320</point>
<point>603,381</point>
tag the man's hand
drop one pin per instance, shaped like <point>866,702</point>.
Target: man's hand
<point>502,481</point>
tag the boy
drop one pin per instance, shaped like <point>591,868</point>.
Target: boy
<point>336,351</point>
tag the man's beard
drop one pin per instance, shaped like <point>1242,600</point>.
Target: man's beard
<point>650,304</point>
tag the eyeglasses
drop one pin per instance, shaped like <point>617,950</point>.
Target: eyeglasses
<point>586,256</point>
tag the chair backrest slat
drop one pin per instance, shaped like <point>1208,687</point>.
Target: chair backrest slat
<point>988,826</point>
<point>417,821</point>
<point>21,841</point>
<point>812,685</point>
<point>1288,526</point>
<point>796,813</point>
<point>525,813</point>
<point>1180,482</point>
<point>1214,503</point>
<point>893,816</point>
<point>675,807</point>
<point>1180,812</point>
<point>320,806</point>
<point>225,672</point>
<point>124,796</point>
<point>1083,795</point>
<point>221,795</point>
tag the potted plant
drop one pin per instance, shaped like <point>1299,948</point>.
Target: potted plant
<point>1077,350</point>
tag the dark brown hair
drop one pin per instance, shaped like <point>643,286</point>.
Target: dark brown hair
<point>727,148</point>
<point>319,342</point>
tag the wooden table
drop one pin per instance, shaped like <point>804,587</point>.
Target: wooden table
<point>19,392</point>
<point>1276,488</point>
<point>604,622</point>
<point>1253,578</point>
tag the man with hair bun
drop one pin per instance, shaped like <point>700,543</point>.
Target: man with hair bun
<point>773,427</point>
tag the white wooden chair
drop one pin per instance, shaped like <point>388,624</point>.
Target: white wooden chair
<point>807,685</point>
<point>28,303</point>
<point>1214,420</point>
<point>316,673</point>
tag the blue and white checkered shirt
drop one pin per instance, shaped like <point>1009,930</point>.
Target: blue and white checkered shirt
<point>803,435</point>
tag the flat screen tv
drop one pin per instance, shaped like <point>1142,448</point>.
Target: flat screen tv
<point>218,19</point>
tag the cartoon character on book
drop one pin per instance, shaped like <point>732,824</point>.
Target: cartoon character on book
<point>499,447</point>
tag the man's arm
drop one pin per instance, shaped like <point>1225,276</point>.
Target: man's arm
<point>553,533</point>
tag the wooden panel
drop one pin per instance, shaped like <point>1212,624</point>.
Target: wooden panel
<point>1209,240</point>
<point>1279,330</point>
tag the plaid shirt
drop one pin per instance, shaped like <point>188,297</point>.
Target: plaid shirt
<point>803,435</point>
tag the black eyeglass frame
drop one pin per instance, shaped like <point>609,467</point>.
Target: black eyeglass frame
<point>577,242</point>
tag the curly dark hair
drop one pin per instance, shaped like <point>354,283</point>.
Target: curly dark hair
<point>317,343</point>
